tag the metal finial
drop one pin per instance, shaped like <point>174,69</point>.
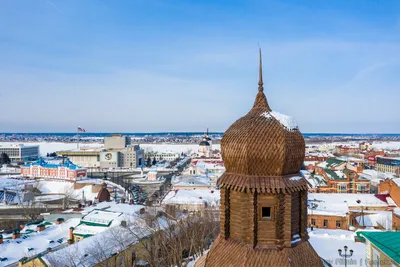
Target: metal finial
<point>260,80</point>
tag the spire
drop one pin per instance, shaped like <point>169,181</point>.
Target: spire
<point>260,80</point>
<point>261,103</point>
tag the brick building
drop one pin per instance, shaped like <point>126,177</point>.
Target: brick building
<point>391,187</point>
<point>64,171</point>
<point>338,176</point>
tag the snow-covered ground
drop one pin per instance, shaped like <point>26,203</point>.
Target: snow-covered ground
<point>49,147</point>
<point>386,145</point>
<point>327,242</point>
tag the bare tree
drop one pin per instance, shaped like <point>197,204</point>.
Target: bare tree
<point>170,241</point>
<point>156,237</point>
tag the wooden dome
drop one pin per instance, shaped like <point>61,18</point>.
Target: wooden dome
<point>264,142</point>
<point>263,197</point>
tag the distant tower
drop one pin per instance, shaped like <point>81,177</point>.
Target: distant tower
<point>209,140</point>
<point>204,148</point>
<point>263,211</point>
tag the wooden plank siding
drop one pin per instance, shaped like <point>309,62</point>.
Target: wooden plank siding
<point>266,229</point>
<point>295,214</point>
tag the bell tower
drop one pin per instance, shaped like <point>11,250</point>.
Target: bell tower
<point>263,207</point>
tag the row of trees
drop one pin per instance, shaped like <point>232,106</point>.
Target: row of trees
<point>4,159</point>
<point>150,162</point>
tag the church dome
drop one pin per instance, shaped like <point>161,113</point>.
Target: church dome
<point>264,142</point>
<point>204,143</point>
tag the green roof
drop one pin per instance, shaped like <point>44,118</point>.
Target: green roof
<point>333,175</point>
<point>387,242</point>
<point>334,162</point>
<point>319,180</point>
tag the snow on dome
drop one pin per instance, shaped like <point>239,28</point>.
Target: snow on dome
<point>288,122</point>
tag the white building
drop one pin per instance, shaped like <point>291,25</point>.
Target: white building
<point>167,156</point>
<point>20,152</point>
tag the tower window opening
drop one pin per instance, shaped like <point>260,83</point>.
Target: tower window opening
<point>266,212</point>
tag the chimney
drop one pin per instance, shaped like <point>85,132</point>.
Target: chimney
<point>60,220</point>
<point>123,223</point>
<point>1,238</point>
<point>48,249</point>
<point>22,261</point>
<point>16,234</point>
<point>71,234</point>
<point>40,228</point>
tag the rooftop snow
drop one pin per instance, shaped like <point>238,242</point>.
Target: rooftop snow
<point>372,220</point>
<point>14,251</point>
<point>192,197</point>
<point>288,122</point>
<point>100,217</point>
<point>338,204</point>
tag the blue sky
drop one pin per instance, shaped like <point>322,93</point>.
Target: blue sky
<point>174,65</point>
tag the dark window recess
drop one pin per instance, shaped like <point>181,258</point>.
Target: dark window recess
<point>266,212</point>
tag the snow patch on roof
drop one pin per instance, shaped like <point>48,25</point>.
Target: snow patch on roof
<point>288,122</point>
<point>296,178</point>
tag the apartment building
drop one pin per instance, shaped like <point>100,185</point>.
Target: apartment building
<point>20,152</point>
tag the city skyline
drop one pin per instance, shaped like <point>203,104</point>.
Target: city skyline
<point>152,66</point>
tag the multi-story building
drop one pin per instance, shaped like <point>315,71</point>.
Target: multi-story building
<point>390,165</point>
<point>341,177</point>
<point>118,153</point>
<point>167,156</point>
<point>20,152</point>
<point>116,141</point>
<point>340,211</point>
<point>348,149</point>
<point>128,157</point>
<point>370,156</point>
<point>391,187</point>
<point>88,158</point>
<point>365,146</point>
<point>132,156</point>
<point>65,171</point>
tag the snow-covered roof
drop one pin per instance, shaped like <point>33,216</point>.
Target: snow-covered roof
<point>338,204</point>
<point>331,162</point>
<point>397,181</point>
<point>125,208</point>
<point>286,121</point>
<point>373,220</point>
<point>100,217</point>
<point>38,242</point>
<point>192,197</point>
<point>42,163</point>
<point>200,181</point>
<point>92,250</point>
<point>83,229</point>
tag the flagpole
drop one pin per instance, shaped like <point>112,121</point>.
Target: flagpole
<point>77,141</point>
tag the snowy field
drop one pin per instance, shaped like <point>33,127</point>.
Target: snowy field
<point>377,145</point>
